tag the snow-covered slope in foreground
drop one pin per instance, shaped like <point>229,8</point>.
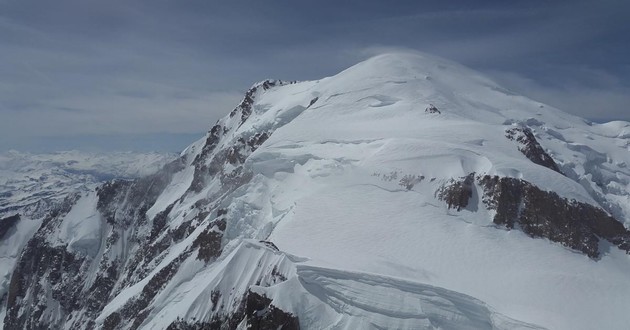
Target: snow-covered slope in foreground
<point>406,192</point>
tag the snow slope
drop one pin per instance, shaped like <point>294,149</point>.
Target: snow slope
<point>321,202</point>
<point>355,300</point>
<point>362,223</point>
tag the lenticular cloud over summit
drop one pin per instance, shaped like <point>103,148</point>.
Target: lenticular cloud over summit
<point>405,192</point>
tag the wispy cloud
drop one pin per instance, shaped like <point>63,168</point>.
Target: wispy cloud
<point>598,96</point>
<point>124,67</point>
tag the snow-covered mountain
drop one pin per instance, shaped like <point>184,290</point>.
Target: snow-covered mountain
<point>406,192</point>
<point>32,185</point>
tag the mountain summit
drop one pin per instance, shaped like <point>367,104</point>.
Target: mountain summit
<point>406,192</point>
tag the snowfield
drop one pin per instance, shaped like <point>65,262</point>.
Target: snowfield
<point>323,197</point>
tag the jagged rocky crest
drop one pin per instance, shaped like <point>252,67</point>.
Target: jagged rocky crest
<point>206,166</point>
<point>530,147</point>
<point>134,244</point>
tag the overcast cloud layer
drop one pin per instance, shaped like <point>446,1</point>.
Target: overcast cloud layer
<point>90,74</point>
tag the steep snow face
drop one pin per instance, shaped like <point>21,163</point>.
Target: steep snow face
<point>387,196</point>
<point>80,230</point>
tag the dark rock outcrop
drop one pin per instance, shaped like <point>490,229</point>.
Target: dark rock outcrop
<point>59,268</point>
<point>270,245</point>
<point>7,223</point>
<point>457,193</point>
<point>207,166</point>
<point>209,241</point>
<point>46,270</point>
<point>56,276</point>
<point>529,146</point>
<point>432,109</point>
<point>201,169</point>
<point>312,102</point>
<point>102,287</point>
<point>245,107</point>
<point>262,314</point>
<point>257,311</point>
<point>538,213</point>
<point>159,222</point>
<point>408,181</point>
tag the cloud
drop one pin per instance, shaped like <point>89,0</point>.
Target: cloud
<point>123,114</point>
<point>598,97</point>
<point>73,67</point>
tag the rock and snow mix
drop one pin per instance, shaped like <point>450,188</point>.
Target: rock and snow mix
<point>31,183</point>
<point>352,202</point>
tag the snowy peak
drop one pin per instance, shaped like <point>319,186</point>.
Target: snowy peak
<point>413,66</point>
<point>404,192</point>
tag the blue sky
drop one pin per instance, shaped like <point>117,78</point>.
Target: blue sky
<point>153,75</point>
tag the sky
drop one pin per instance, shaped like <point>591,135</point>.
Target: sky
<point>154,75</point>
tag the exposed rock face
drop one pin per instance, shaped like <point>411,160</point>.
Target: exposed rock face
<point>262,314</point>
<point>530,147</point>
<point>312,102</point>
<point>209,241</point>
<point>47,270</point>
<point>409,181</point>
<point>208,165</point>
<point>545,214</point>
<point>7,223</point>
<point>245,107</point>
<point>432,109</point>
<point>257,312</point>
<point>457,193</point>
<point>521,205</point>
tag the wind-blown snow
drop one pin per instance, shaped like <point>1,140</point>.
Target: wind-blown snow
<point>81,228</point>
